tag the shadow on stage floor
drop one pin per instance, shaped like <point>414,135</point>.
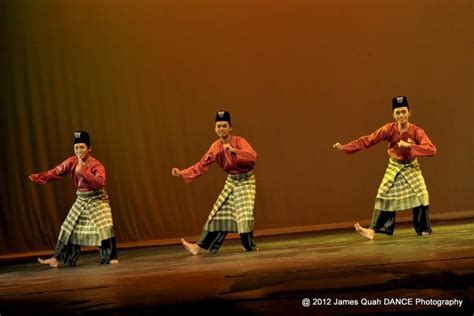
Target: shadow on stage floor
<point>337,271</point>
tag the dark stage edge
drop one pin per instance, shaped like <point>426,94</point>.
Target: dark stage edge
<point>336,267</point>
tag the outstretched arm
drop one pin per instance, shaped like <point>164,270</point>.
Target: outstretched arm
<point>54,174</point>
<point>198,169</point>
<point>363,142</point>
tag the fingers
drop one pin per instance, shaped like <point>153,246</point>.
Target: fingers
<point>228,147</point>
<point>35,178</point>
<point>176,172</point>
<point>403,143</point>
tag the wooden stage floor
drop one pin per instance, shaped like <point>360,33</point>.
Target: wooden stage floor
<point>337,270</point>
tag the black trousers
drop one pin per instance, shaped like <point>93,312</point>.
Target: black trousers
<point>108,250</point>
<point>421,219</point>
<point>384,221</point>
<point>70,253</point>
<point>212,241</point>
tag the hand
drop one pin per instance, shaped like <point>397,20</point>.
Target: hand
<point>176,172</point>
<point>229,148</point>
<point>80,165</point>
<point>37,178</point>
<point>338,146</point>
<point>405,144</point>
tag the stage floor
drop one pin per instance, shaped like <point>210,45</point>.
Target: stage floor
<point>337,270</point>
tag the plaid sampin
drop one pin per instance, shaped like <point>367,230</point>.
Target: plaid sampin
<point>89,221</point>
<point>233,210</point>
<point>402,187</point>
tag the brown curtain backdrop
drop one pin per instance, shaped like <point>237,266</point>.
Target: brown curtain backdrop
<point>146,77</point>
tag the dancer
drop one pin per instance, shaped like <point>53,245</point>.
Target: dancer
<point>403,186</point>
<point>233,210</point>
<point>89,222</point>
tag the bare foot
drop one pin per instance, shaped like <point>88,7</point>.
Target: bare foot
<point>367,233</point>
<point>114,261</point>
<point>192,248</point>
<point>53,263</point>
<point>243,248</point>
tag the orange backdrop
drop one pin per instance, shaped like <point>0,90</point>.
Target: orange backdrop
<point>146,77</point>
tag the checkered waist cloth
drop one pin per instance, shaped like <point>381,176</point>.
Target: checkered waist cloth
<point>233,210</point>
<point>403,187</point>
<point>89,220</point>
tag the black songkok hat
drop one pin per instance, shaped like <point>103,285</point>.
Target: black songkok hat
<point>399,102</point>
<point>223,116</point>
<point>82,137</point>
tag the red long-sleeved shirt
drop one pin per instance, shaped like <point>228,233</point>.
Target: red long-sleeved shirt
<point>421,144</point>
<point>89,178</point>
<point>242,161</point>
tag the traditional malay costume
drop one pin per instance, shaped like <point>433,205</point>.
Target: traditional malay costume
<point>233,210</point>
<point>89,221</point>
<point>403,186</point>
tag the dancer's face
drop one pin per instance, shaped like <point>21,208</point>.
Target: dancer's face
<point>223,129</point>
<point>401,114</point>
<point>81,151</point>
